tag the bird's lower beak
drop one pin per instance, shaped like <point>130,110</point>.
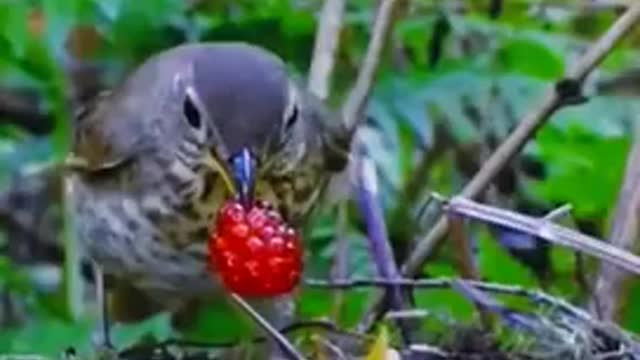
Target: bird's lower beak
<point>243,169</point>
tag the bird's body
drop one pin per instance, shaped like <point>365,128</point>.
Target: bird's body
<point>153,154</point>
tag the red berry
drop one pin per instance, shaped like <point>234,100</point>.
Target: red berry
<point>254,252</point>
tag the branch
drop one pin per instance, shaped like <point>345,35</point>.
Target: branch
<point>608,297</point>
<point>280,339</point>
<point>356,100</point>
<point>326,45</point>
<point>487,305</point>
<point>545,229</point>
<point>555,99</point>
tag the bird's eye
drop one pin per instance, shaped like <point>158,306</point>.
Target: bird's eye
<point>191,113</point>
<point>292,117</point>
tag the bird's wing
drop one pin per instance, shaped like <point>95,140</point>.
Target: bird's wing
<point>93,143</point>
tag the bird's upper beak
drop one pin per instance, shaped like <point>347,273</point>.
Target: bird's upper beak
<point>243,170</point>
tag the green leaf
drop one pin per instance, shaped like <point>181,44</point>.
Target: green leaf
<point>355,302</point>
<point>14,35</point>
<point>584,168</point>
<point>445,303</point>
<point>314,303</point>
<point>631,316</point>
<point>564,264</point>
<point>498,266</point>
<point>219,321</point>
<point>157,328</point>
<point>47,336</point>
<point>530,58</point>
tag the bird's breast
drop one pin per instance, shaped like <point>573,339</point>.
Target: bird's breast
<point>154,237</point>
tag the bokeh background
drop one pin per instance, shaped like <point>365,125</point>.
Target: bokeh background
<point>456,78</point>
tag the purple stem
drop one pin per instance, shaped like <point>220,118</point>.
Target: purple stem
<point>488,302</point>
<point>379,247</point>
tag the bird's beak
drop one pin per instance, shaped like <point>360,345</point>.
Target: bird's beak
<point>243,169</point>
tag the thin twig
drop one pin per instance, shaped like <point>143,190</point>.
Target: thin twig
<point>447,283</point>
<point>559,213</point>
<point>464,254</point>
<point>487,305</point>
<point>465,260</point>
<point>285,345</point>
<point>609,298</point>
<point>547,230</point>
<point>324,51</point>
<point>356,100</point>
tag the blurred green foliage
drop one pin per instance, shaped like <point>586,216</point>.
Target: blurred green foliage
<point>485,76</point>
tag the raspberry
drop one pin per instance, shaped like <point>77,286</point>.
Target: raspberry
<point>254,252</point>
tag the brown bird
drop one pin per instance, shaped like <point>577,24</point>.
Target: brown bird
<point>151,162</point>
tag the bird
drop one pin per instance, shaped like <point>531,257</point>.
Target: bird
<point>152,160</point>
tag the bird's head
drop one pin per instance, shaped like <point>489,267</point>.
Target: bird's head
<point>231,100</point>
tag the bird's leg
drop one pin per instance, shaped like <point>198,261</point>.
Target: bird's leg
<point>101,297</point>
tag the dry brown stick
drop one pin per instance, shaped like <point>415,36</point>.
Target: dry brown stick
<point>464,258</point>
<point>527,128</point>
<point>354,106</point>
<point>465,261</point>
<point>608,298</point>
<point>325,47</point>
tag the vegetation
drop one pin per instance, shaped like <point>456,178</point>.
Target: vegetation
<point>454,81</point>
